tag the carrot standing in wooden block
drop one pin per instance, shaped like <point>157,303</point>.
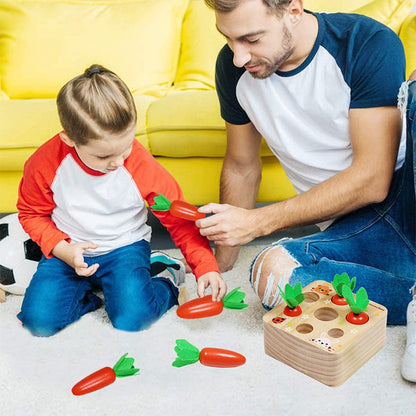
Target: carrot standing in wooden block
<point>293,297</point>
<point>321,342</point>
<point>341,280</point>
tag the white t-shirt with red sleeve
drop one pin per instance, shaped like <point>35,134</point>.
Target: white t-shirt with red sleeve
<point>61,198</point>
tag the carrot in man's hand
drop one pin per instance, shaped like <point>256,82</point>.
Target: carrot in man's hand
<point>177,208</point>
<point>105,376</point>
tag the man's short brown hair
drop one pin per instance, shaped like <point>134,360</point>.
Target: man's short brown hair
<point>225,6</point>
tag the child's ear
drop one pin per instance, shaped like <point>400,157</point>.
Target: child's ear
<point>66,139</point>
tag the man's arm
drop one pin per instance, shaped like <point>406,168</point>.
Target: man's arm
<point>375,136</point>
<point>240,178</point>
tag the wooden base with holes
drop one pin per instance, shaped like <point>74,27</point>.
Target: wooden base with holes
<point>320,342</point>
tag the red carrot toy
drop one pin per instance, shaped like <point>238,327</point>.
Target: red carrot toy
<point>204,307</point>
<point>357,316</point>
<point>178,208</point>
<point>105,376</point>
<point>211,357</point>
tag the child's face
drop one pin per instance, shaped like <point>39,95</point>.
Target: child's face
<point>105,154</point>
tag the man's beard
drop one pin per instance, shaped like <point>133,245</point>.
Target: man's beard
<point>271,67</point>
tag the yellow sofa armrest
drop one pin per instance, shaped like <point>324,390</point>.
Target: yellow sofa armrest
<point>408,37</point>
<point>390,12</point>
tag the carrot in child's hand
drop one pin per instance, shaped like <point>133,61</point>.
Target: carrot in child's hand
<point>105,376</point>
<point>205,306</point>
<point>211,357</point>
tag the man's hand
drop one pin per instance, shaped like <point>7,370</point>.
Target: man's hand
<point>412,76</point>
<point>218,286</point>
<point>230,226</point>
<point>73,255</point>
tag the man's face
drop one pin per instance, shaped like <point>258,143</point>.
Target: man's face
<point>260,40</point>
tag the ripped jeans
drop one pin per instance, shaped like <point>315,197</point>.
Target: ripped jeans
<point>377,243</point>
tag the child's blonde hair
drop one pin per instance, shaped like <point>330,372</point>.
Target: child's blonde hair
<point>94,104</point>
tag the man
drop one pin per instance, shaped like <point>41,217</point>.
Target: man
<point>322,90</point>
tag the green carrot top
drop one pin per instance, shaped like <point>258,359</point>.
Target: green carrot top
<point>234,300</point>
<point>161,203</point>
<point>343,279</point>
<point>124,367</point>
<point>360,302</point>
<point>187,353</point>
<point>293,296</point>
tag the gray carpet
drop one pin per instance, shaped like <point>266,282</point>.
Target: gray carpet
<point>37,374</point>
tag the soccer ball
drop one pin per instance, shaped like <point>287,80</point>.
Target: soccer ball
<point>19,256</point>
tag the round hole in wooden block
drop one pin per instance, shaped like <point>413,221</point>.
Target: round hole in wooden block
<point>326,314</point>
<point>311,297</point>
<point>304,328</point>
<point>336,333</point>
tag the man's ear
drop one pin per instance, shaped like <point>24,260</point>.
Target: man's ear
<point>295,11</point>
<point>66,139</point>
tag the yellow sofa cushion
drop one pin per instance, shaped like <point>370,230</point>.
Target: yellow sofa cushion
<point>188,124</point>
<point>199,179</point>
<point>201,43</point>
<point>44,43</point>
<point>408,37</point>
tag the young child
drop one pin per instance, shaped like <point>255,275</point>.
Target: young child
<point>82,199</point>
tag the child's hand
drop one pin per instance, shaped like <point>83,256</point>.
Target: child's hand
<point>73,255</point>
<point>217,283</point>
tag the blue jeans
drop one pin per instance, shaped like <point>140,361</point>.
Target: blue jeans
<point>57,296</point>
<point>375,243</point>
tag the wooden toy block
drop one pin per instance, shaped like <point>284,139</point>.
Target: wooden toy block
<point>320,342</point>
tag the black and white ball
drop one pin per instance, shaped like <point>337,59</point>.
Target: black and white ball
<point>19,256</point>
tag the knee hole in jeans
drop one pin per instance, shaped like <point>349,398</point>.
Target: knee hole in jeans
<point>272,268</point>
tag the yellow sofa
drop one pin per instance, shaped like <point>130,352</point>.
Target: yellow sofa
<point>165,51</point>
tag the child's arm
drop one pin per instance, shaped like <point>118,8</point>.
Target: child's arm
<point>197,252</point>
<point>35,205</point>
<point>152,179</point>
